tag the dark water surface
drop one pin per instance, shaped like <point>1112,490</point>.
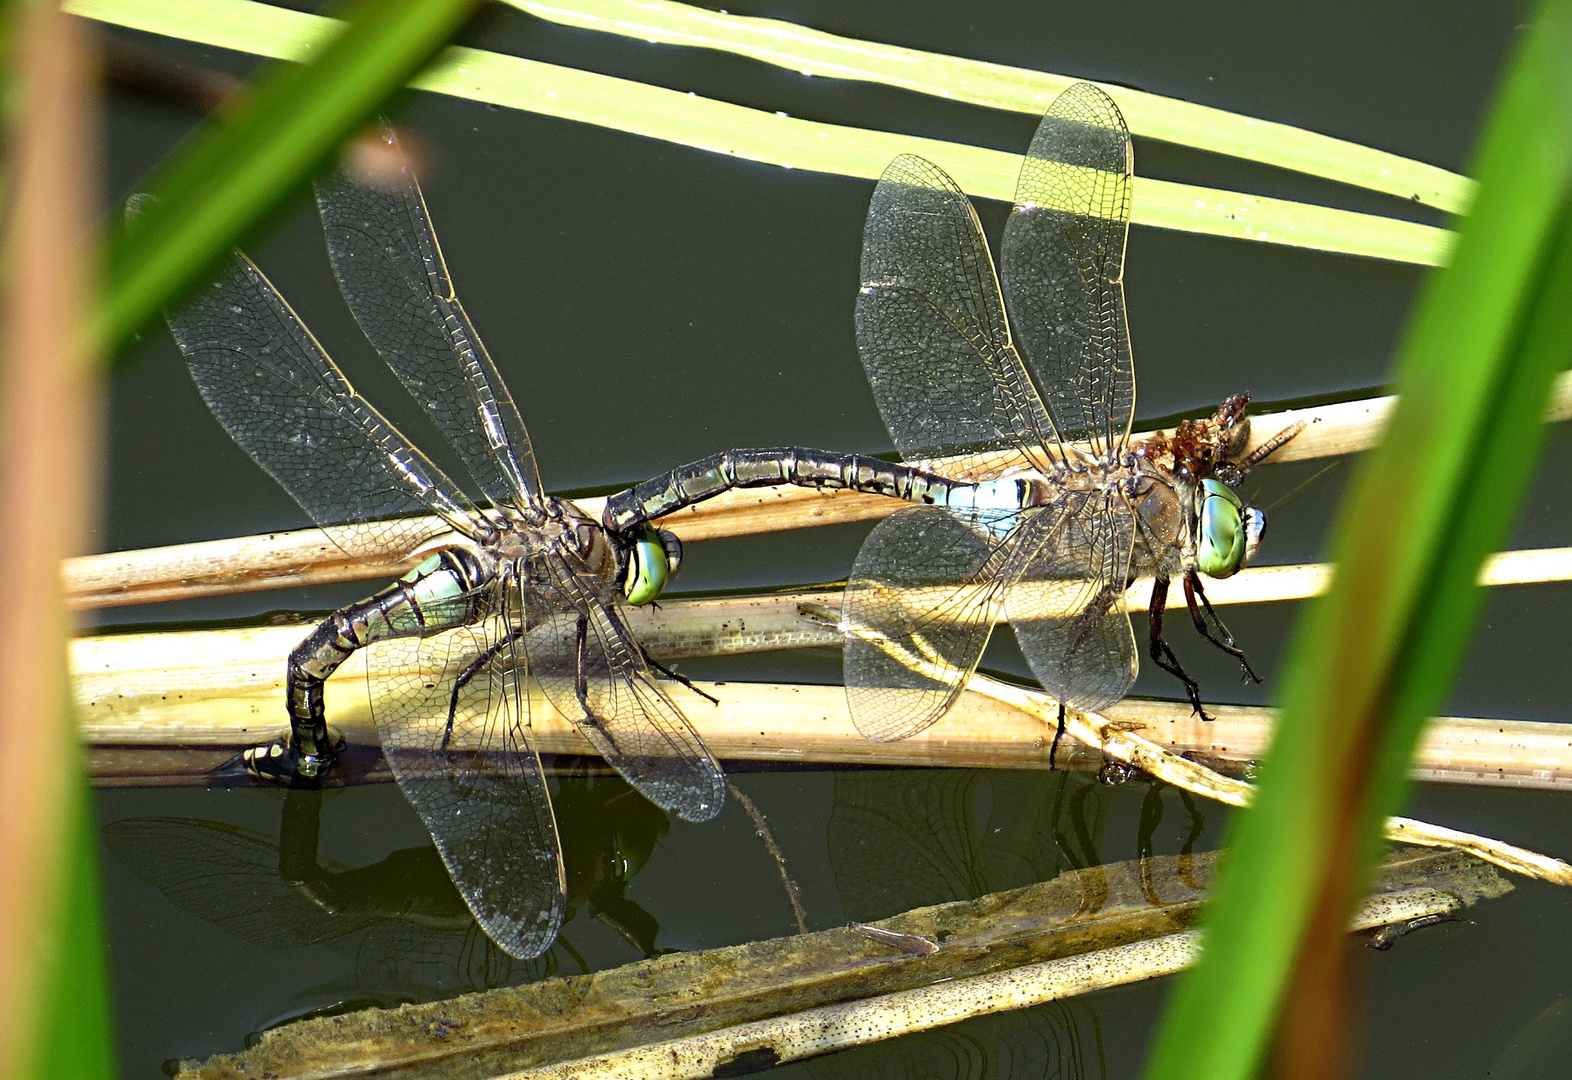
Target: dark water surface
<point>650,304</point>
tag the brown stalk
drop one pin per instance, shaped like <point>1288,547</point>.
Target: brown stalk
<point>49,424</point>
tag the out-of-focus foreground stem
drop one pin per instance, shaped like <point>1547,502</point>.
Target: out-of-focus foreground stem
<point>49,425</point>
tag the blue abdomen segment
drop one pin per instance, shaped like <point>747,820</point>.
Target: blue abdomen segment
<point>992,507</point>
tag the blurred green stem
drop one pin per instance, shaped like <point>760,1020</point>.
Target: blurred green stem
<point>1380,650</point>
<point>231,175</point>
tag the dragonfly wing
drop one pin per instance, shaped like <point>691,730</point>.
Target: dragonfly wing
<point>931,329</point>
<point>392,274</point>
<point>1066,579</point>
<point>920,604</point>
<point>584,655</point>
<point>287,404</point>
<point>454,723</point>
<point>1063,265</point>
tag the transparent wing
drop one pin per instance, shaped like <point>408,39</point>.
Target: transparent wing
<point>1064,582</point>
<point>1063,266</point>
<point>931,329</point>
<point>454,725</point>
<point>391,272</point>
<point>920,604</point>
<point>584,656</point>
<point>287,404</point>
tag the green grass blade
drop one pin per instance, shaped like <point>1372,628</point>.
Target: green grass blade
<point>225,181</point>
<point>1380,650</point>
<point>769,137</point>
<point>997,86</point>
<point>77,1035</point>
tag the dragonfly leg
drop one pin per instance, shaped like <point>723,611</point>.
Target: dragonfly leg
<point>469,673</point>
<point>677,676</point>
<point>581,671</point>
<point>1161,654</point>
<point>1210,626</point>
<point>1053,750</point>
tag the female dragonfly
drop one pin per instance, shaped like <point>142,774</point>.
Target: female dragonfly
<point>525,586</point>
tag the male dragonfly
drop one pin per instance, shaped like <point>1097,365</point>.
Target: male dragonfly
<point>1054,551</point>
<point>1055,397</point>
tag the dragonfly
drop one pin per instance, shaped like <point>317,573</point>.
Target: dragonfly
<point>520,586</point>
<point>1035,378</point>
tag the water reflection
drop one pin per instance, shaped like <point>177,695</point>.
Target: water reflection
<point>400,920</point>
<point>901,839</point>
<point>1057,1041</point>
<point>1152,814</point>
<point>905,838</point>
<point>1541,1050</point>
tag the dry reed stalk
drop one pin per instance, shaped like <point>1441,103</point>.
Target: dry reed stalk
<point>225,688</point>
<point>307,557</point>
<point>716,1012</point>
<point>813,1032</point>
<point>1124,744</point>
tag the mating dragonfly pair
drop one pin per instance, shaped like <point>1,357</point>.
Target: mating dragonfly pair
<point>526,586</point>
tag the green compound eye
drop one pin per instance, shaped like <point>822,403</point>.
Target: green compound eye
<point>1222,546</point>
<point>649,567</point>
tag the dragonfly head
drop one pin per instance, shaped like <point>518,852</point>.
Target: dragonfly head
<point>651,558</point>
<point>1228,532</point>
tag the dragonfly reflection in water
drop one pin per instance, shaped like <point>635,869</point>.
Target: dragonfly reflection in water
<point>1056,396</point>
<point>528,586</point>
<point>400,919</point>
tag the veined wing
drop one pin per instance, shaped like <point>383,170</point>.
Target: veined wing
<point>287,404</point>
<point>1063,265</point>
<point>921,601</point>
<point>584,656</point>
<point>392,274</point>
<point>455,728</point>
<point>931,329</point>
<point>1063,584</point>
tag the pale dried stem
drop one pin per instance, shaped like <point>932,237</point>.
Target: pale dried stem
<point>225,688</point>
<point>1121,743</point>
<point>714,1012</point>
<point>307,557</point>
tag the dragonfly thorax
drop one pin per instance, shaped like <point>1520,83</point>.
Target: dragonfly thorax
<point>552,525</point>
